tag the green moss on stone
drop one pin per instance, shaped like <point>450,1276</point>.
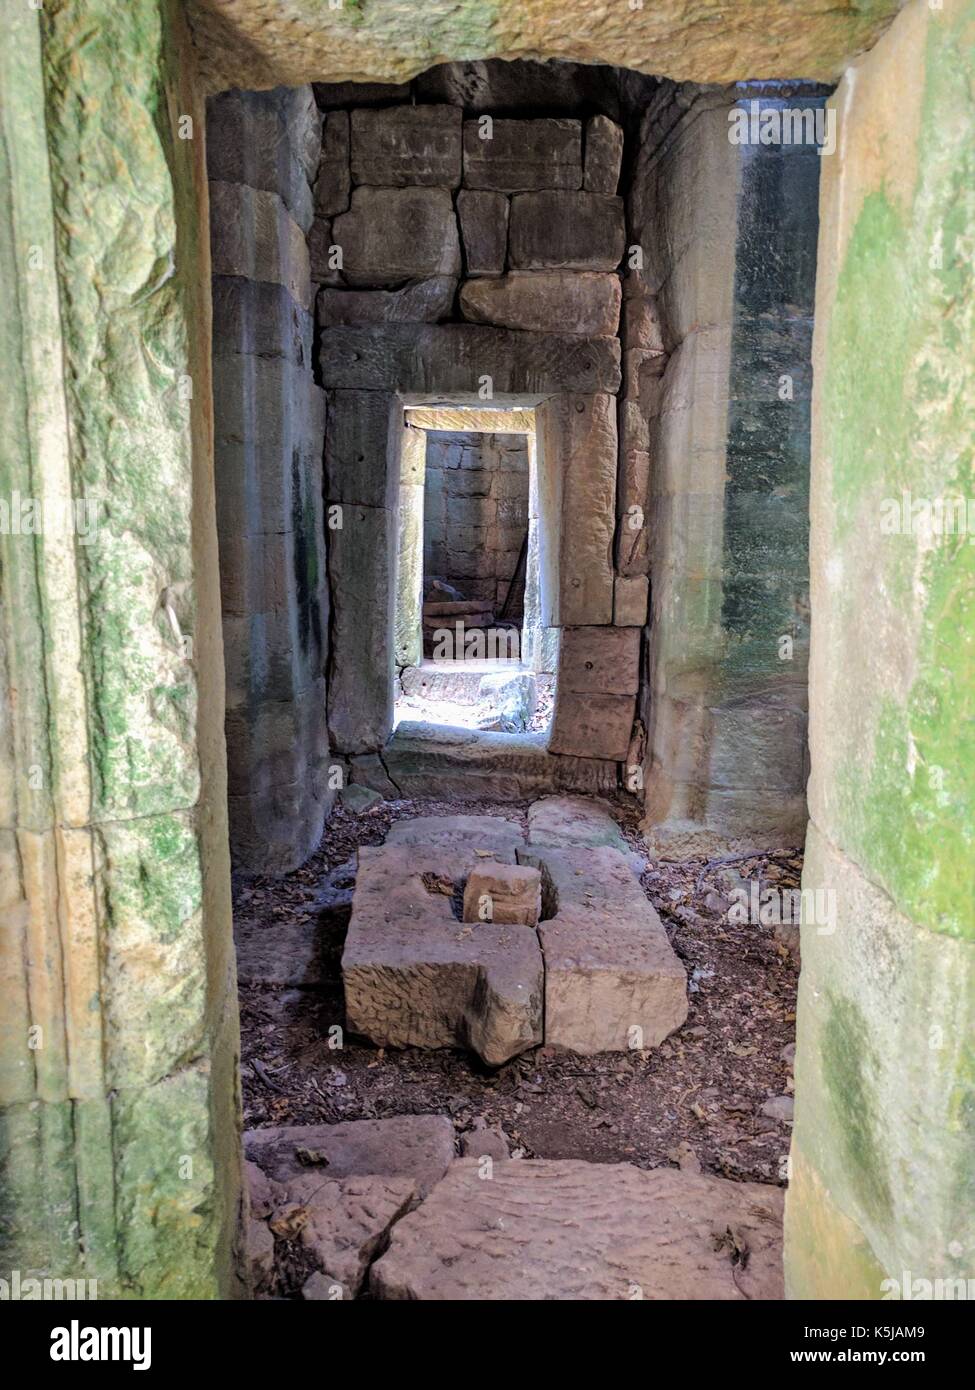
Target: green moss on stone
<point>849,1067</point>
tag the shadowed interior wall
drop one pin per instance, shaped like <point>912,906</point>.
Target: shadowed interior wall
<point>475,514</point>
<point>715,451</point>
<point>882,1183</point>
<point>262,159</point>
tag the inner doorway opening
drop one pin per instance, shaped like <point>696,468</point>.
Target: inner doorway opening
<point>470,650</point>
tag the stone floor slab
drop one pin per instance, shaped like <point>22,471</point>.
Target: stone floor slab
<point>343,1223</point>
<point>493,834</point>
<point>569,1230</point>
<point>420,1147</point>
<point>563,821</point>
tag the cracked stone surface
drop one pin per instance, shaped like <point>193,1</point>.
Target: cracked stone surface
<point>415,976</point>
<point>343,1223</point>
<point>612,978</point>
<point>568,1230</point>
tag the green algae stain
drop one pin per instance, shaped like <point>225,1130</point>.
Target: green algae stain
<point>454,32</point>
<point>867,436</point>
<point>899,417</point>
<point>849,1070</point>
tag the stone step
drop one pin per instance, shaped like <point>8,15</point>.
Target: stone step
<point>567,1230</point>
<point>436,760</point>
<point>563,821</point>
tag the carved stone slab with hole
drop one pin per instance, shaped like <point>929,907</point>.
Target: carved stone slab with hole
<point>417,976</point>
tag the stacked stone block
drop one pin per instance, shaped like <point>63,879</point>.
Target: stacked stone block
<point>266,181</point>
<point>458,251</point>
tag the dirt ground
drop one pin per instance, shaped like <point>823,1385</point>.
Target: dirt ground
<point>702,1090</point>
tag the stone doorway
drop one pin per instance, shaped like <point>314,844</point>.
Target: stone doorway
<point>118,878</point>
<point>471,650</point>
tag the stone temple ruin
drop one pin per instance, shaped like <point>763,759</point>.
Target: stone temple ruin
<point>490,425</point>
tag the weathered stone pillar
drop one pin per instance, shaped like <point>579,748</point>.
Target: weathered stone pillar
<point>119,1122</point>
<point>715,453</point>
<point>262,158</point>
<point>882,1182</point>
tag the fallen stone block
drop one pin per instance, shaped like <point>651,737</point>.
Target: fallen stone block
<point>357,798</point>
<point>563,821</point>
<point>417,977</point>
<point>604,156</point>
<point>487,1141</point>
<point>508,701</point>
<point>612,979</point>
<point>454,683</point>
<point>509,893</point>
<point>395,234</point>
<point>399,146</point>
<point>565,1230</point>
<point>565,231</point>
<point>546,301</point>
<point>419,1147</point>
<point>514,155</point>
<point>421,301</point>
<point>484,230</point>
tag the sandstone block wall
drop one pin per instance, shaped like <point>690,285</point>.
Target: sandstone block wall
<point>715,452</point>
<point>266,182</point>
<point>470,260</point>
<point>475,514</point>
